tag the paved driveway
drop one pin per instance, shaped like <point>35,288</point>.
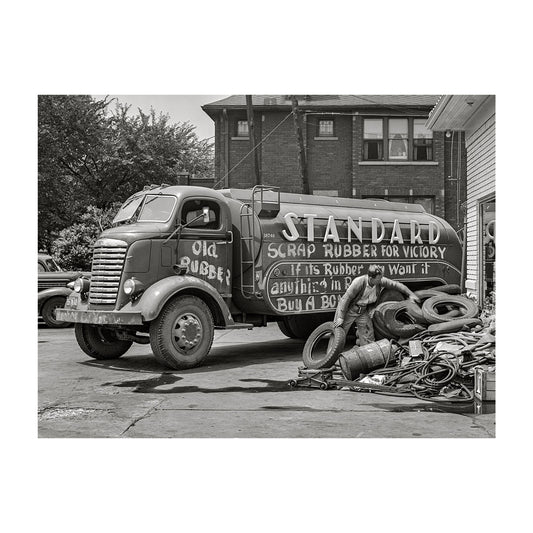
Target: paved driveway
<point>241,392</point>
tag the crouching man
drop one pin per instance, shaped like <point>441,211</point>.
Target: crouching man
<point>362,293</point>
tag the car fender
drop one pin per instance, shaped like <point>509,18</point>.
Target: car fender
<point>157,295</point>
<point>45,294</point>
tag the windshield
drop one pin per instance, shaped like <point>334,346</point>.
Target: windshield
<point>128,209</point>
<point>146,208</point>
<point>157,208</point>
<point>47,264</point>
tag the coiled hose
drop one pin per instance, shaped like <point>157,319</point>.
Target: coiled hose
<point>439,376</point>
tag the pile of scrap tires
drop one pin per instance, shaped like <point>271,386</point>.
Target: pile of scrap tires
<point>441,310</point>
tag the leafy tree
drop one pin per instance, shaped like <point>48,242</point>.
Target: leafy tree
<point>91,155</point>
<point>71,139</point>
<point>144,149</point>
<point>73,248</point>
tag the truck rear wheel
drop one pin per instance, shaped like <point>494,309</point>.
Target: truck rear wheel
<point>285,329</point>
<point>298,327</point>
<point>182,334</point>
<point>99,342</point>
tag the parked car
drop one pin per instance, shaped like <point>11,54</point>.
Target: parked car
<point>52,289</point>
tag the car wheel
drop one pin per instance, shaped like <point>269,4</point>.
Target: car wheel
<point>48,312</point>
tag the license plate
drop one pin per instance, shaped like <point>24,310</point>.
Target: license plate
<point>72,301</point>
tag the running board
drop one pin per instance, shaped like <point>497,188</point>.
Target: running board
<point>237,325</point>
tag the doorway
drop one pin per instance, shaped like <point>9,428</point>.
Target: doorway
<point>487,245</point>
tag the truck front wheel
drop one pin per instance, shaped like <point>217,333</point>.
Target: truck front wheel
<point>182,334</point>
<point>99,342</point>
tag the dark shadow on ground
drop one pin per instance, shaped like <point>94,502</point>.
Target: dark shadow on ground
<point>151,385</point>
<point>467,408</point>
<point>220,358</point>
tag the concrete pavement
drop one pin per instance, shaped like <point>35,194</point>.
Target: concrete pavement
<point>241,392</point>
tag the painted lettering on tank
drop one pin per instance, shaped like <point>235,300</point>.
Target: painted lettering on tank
<point>316,285</point>
<point>411,232</point>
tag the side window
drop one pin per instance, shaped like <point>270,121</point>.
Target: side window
<point>373,139</point>
<point>242,128</point>
<point>326,128</point>
<point>192,214</point>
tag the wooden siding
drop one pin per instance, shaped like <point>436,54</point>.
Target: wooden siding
<point>481,184</point>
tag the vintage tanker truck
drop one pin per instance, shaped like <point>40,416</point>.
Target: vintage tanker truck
<point>181,261</point>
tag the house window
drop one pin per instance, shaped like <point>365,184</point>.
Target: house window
<point>242,128</point>
<point>407,139</point>
<point>422,141</point>
<point>373,139</point>
<point>325,128</point>
<point>398,138</point>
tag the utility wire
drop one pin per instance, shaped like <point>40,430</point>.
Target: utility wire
<point>251,151</point>
<point>402,110</point>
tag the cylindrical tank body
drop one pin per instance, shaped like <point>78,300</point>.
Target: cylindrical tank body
<point>308,251</point>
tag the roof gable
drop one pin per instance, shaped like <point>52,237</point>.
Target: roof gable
<point>264,100</point>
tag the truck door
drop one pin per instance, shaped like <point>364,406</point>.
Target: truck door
<point>205,246</point>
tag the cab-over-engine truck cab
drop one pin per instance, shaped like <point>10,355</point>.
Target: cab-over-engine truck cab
<point>182,261</point>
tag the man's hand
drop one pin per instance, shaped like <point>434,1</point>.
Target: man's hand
<point>414,298</point>
<point>338,322</point>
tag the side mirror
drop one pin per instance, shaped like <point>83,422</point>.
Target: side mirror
<point>205,212</point>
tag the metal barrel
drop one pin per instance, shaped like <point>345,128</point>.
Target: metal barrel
<point>362,359</point>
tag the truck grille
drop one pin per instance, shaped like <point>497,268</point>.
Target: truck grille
<point>108,261</point>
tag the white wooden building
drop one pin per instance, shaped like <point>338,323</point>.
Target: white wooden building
<point>476,116</point>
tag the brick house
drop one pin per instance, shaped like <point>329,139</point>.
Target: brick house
<point>476,116</point>
<point>355,146</point>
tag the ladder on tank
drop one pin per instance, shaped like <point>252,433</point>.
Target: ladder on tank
<point>248,224</point>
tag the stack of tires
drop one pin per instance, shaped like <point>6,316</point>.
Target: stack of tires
<point>441,310</point>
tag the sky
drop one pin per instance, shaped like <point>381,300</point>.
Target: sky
<point>181,108</point>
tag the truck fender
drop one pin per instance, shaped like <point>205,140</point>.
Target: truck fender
<point>43,295</point>
<point>157,295</point>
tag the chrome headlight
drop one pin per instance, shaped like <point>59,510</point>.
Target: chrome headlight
<point>81,285</point>
<point>132,287</point>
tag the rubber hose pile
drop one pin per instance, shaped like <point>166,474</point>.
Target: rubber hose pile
<point>445,371</point>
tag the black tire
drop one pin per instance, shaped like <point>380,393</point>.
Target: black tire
<point>285,329</point>
<point>182,335</point>
<point>390,295</point>
<point>336,344</point>
<point>454,325</point>
<point>468,308</point>
<point>415,312</point>
<point>299,327</point>
<point>100,343</point>
<point>399,328</point>
<point>48,312</point>
<point>381,330</point>
<point>424,294</point>
<point>448,289</point>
